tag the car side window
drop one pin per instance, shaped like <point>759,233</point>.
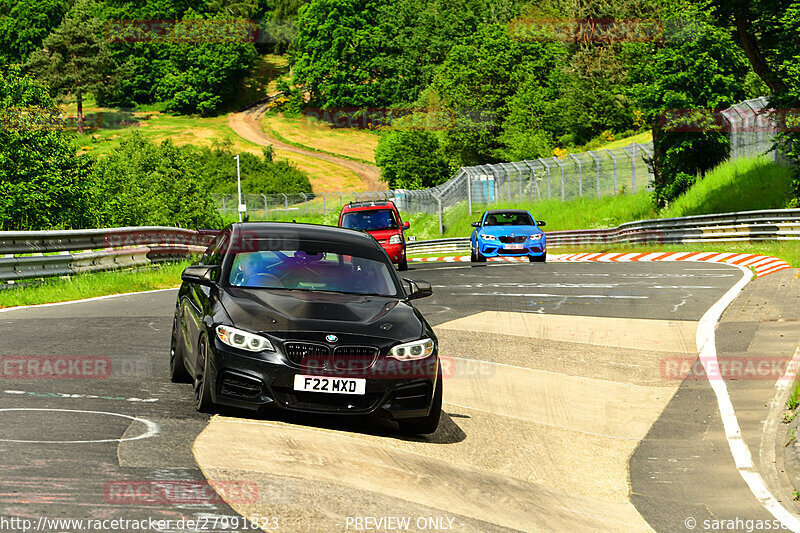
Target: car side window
<point>215,252</point>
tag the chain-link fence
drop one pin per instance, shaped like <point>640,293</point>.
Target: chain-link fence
<point>285,206</point>
<point>594,174</point>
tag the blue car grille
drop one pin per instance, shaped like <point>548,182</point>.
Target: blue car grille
<point>518,239</point>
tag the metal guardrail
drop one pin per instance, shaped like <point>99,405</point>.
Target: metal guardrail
<point>76,251</point>
<point>765,225</point>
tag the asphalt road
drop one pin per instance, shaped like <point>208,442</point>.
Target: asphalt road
<point>66,445</point>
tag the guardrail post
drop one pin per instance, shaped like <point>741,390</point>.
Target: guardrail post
<point>535,180</point>
<point>286,203</point>
<point>439,210</point>
<point>266,209</point>
<point>547,167</point>
<point>323,203</point>
<point>341,200</point>
<point>580,174</point>
<point>469,189</point>
<point>561,167</point>
<point>519,173</point>
<point>597,169</point>
<point>648,154</point>
<point>305,201</point>
<point>631,151</point>
<point>614,162</point>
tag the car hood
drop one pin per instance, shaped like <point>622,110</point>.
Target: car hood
<point>278,311</point>
<point>508,230</point>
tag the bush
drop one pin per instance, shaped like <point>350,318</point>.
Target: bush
<point>146,184</point>
<point>411,160</point>
<point>260,175</point>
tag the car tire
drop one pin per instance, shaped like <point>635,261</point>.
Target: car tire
<point>426,424</point>
<point>478,257</point>
<point>403,265</point>
<point>177,368</point>
<point>202,385</point>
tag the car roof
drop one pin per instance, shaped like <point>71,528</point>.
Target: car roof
<point>507,211</point>
<point>364,206</point>
<point>304,231</point>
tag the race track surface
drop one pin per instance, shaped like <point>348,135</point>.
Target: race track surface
<point>559,415</point>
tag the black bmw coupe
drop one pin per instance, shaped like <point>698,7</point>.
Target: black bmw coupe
<point>306,318</point>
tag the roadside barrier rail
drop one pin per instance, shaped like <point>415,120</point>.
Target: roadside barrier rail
<point>41,254</point>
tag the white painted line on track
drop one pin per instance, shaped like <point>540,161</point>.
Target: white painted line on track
<point>544,295</point>
<point>152,427</point>
<point>94,299</point>
<point>707,352</point>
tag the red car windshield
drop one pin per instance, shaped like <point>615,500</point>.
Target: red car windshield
<point>370,220</point>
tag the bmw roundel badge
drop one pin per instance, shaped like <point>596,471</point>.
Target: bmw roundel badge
<point>331,338</point>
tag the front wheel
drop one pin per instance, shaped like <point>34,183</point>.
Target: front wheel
<point>177,369</point>
<point>202,384</point>
<point>476,256</point>
<point>538,258</point>
<point>403,265</point>
<point>426,424</point>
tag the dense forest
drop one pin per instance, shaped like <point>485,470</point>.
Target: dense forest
<point>468,82</point>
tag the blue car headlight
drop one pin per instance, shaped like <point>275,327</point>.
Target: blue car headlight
<point>536,236</point>
<point>487,237</point>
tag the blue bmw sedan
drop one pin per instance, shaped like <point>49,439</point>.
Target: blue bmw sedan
<point>508,232</point>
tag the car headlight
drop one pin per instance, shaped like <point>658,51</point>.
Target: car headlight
<point>244,340</point>
<point>535,236</point>
<point>487,237</point>
<point>395,239</point>
<point>412,350</point>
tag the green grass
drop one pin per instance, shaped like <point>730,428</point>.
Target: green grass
<point>740,185</point>
<point>794,396</point>
<point>91,285</point>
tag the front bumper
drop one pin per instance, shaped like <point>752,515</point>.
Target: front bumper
<point>394,389</point>
<point>396,252</point>
<point>497,249</point>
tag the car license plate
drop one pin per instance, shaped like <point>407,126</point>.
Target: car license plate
<point>513,247</point>
<point>330,385</point>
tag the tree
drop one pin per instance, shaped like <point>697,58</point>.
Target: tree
<point>24,24</point>
<point>678,83</point>
<point>766,31</point>
<point>411,160</point>
<point>43,182</point>
<point>75,59</point>
<point>149,184</point>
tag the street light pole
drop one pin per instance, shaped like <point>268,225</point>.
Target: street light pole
<point>242,207</point>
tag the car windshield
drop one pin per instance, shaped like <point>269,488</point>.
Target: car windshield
<point>373,219</point>
<point>312,268</point>
<point>508,219</point>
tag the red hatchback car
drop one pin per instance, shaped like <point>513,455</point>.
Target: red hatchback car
<point>382,221</point>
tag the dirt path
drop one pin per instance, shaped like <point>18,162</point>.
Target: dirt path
<point>246,125</point>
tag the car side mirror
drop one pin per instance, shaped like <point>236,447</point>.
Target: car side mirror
<point>406,225</point>
<point>541,223</point>
<point>201,274</point>
<point>476,224</point>
<point>417,289</point>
